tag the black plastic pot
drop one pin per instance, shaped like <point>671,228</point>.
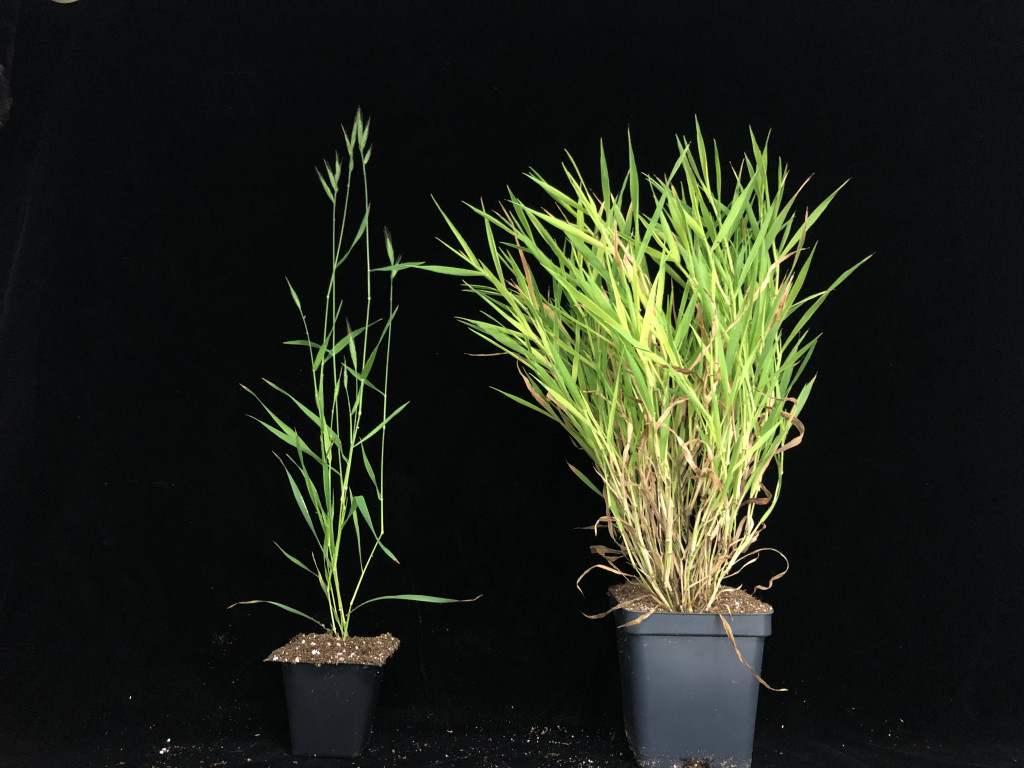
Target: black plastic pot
<point>687,699</point>
<point>330,707</point>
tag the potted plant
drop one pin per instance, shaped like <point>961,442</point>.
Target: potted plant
<point>332,441</point>
<point>661,322</point>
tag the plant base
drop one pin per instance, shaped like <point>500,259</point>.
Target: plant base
<point>687,699</point>
<point>330,707</point>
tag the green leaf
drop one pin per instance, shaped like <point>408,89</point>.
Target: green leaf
<point>417,599</point>
<point>296,561</point>
<point>381,425</point>
<point>283,607</point>
<point>285,434</point>
<point>364,511</point>
<point>299,499</point>
<point>369,470</point>
<point>424,267</point>
<point>317,419</point>
<point>586,481</point>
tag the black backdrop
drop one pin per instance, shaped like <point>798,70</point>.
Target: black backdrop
<point>157,187</point>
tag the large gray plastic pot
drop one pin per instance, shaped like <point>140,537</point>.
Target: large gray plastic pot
<point>687,699</point>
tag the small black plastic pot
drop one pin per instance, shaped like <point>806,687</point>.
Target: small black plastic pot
<point>687,698</point>
<point>330,707</point>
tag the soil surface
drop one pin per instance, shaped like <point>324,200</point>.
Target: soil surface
<point>320,649</point>
<point>729,600</point>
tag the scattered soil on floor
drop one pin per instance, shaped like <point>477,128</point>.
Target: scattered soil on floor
<point>320,649</point>
<point>729,600</point>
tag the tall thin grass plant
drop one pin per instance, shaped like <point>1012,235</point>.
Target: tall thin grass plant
<point>337,437</point>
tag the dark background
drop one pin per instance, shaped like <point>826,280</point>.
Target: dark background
<point>157,179</point>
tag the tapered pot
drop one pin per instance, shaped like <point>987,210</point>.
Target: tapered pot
<point>330,707</point>
<point>687,698</point>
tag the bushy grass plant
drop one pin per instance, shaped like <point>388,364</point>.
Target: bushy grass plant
<point>661,322</point>
<point>337,437</point>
